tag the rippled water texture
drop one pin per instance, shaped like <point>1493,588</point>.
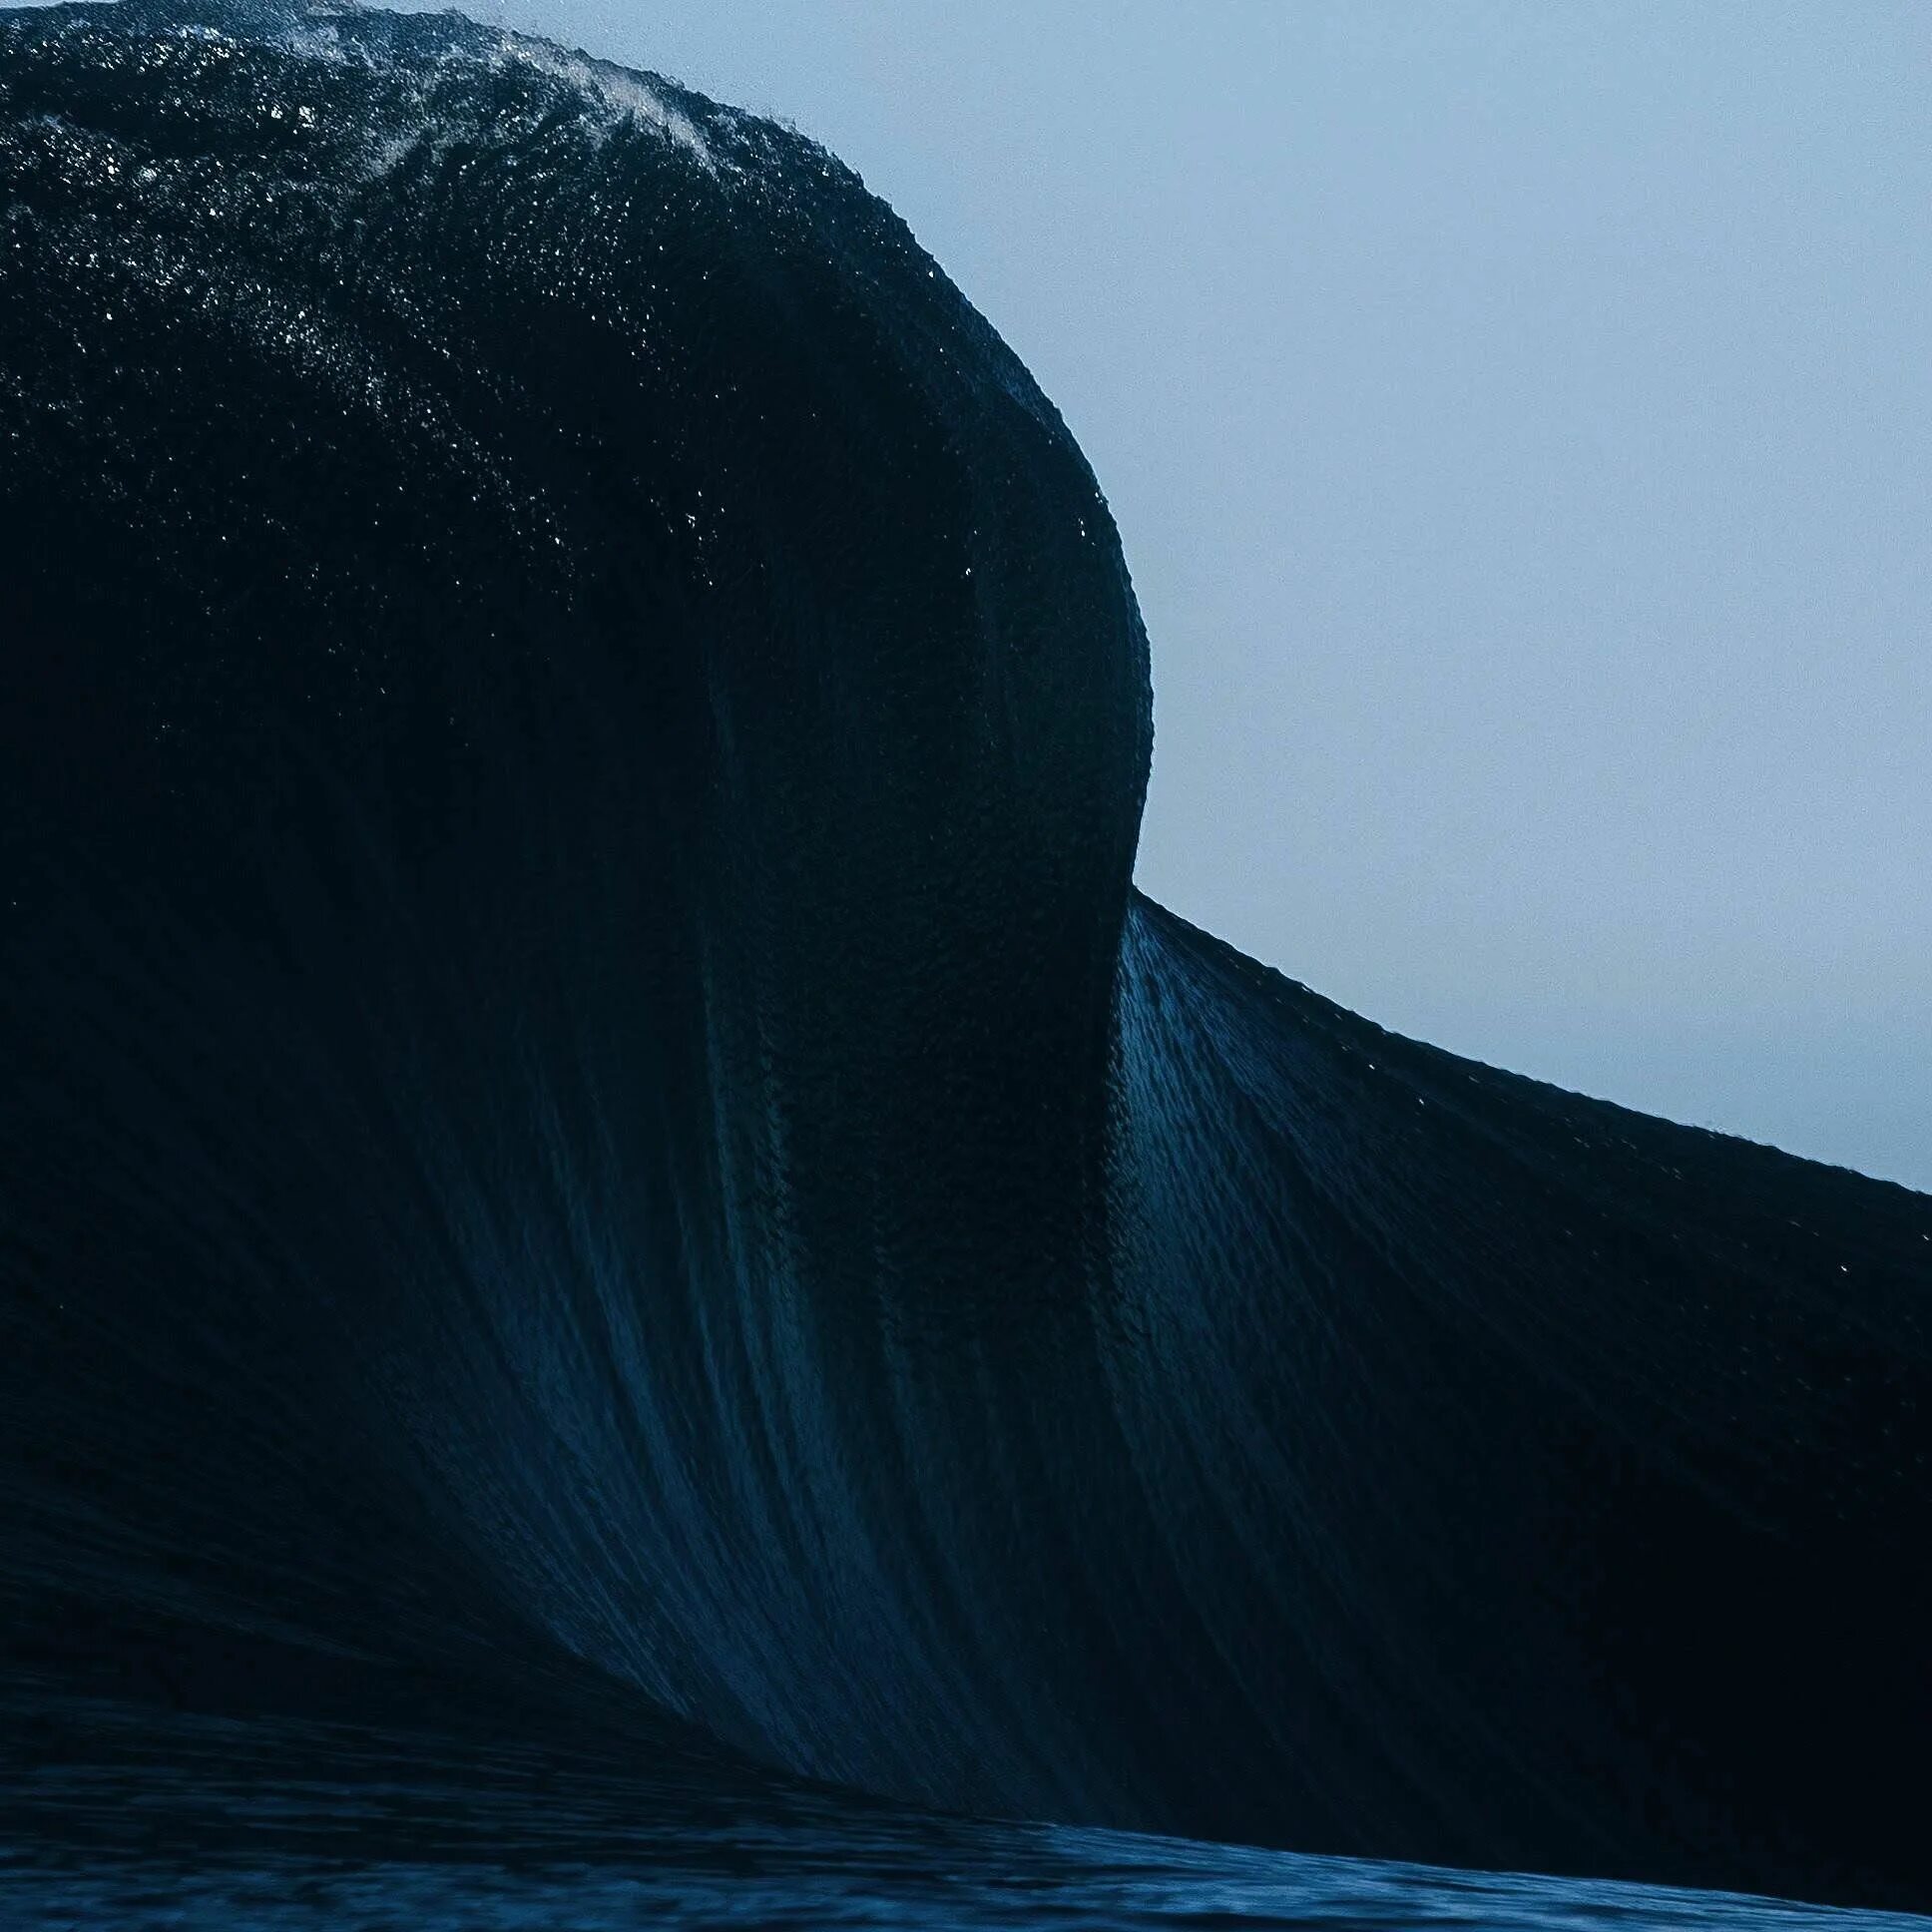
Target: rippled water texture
<point>314,1825</point>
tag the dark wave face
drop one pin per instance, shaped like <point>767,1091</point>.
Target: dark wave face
<point>601,1171</point>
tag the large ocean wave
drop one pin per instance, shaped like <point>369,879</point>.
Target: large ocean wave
<point>598,1159</point>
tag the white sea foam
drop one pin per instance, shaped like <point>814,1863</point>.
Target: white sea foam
<point>625,95</point>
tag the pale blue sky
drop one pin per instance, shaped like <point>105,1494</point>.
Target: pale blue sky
<point>1519,421</point>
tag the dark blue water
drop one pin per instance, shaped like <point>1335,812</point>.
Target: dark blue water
<point>631,1277</point>
<point>202,1821</point>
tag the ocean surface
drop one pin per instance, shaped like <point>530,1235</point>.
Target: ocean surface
<point>204,1822</point>
<point>636,1285</point>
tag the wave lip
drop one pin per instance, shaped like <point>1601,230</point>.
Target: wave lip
<point>594,1132</point>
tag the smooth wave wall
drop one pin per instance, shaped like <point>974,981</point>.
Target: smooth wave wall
<point>591,1127</point>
